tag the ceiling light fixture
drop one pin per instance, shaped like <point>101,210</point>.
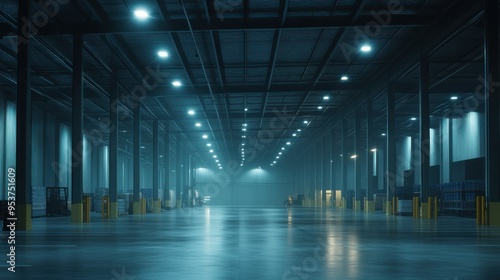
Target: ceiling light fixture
<point>209,145</point>
<point>413,119</point>
<point>354,156</point>
<point>288,143</point>
<point>326,97</point>
<point>294,135</point>
<point>454,97</point>
<point>344,78</point>
<point>176,83</point>
<point>205,136</point>
<point>141,14</point>
<point>366,48</point>
<point>198,124</point>
<point>320,107</point>
<point>191,112</point>
<point>163,54</point>
<point>383,134</point>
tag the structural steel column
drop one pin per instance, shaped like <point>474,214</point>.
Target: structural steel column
<point>370,157</point>
<point>77,133</point>
<point>424,133</point>
<point>391,146</point>
<point>186,180</point>
<point>156,156</point>
<point>24,125</point>
<point>332,168</point>
<point>344,159</point>
<point>178,173</point>
<point>137,159</point>
<point>113,150</point>
<point>325,175</point>
<point>166,158</point>
<point>358,160</point>
<point>492,91</point>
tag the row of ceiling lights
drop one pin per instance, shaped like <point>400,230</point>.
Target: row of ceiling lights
<point>142,15</point>
<point>209,145</point>
<point>296,134</point>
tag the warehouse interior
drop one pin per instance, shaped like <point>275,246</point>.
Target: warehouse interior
<point>250,139</point>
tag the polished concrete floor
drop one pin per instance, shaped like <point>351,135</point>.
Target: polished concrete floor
<point>256,243</point>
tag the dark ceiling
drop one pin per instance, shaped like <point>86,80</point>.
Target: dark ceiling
<point>260,65</point>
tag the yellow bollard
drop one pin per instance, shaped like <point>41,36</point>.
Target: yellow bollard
<point>483,211</point>
<point>86,209</point>
<point>429,207</point>
<point>478,211</point>
<point>415,208</point>
<point>435,207</point>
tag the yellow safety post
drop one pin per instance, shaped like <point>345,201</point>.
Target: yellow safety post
<point>483,210</point>
<point>429,207</point>
<point>478,211</point>
<point>143,205</point>
<point>415,207</point>
<point>105,207</point>
<point>435,207</point>
<point>86,209</point>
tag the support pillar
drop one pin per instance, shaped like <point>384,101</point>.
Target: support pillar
<point>24,125</point>
<point>390,172</point>
<point>332,186</point>
<point>345,158</point>
<point>492,102</point>
<point>166,157</point>
<point>137,159</point>
<point>178,174</point>
<point>113,150</point>
<point>77,133</point>
<point>156,156</point>
<point>370,158</point>
<point>358,147</point>
<point>424,141</point>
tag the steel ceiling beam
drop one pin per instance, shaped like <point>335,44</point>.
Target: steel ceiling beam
<point>230,24</point>
<point>284,4</point>
<point>216,46</point>
<point>185,63</point>
<point>325,61</point>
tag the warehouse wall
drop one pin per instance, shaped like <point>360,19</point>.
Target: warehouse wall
<point>250,187</point>
<point>468,136</point>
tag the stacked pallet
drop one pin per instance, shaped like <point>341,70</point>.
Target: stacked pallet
<point>459,198</point>
<point>124,203</point>
<point>98,194</point>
